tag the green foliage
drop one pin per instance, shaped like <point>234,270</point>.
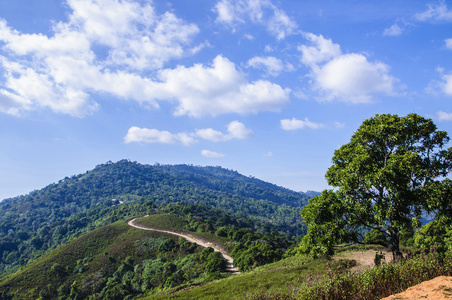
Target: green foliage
<point>205,253</point>
<point>167,246</point>
<point>216,263</point>
<point>378,282</point>
<point>392,170</point>
<point>62,211</point>
<point>254,249</point>
<point>376,237</point>
<point>83,268</point>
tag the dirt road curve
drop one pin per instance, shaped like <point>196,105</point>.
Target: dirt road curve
<point>191,239</point>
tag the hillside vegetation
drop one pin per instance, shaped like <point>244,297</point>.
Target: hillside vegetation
<point>121,262</point>
<point>44,219</point>
<point>113,262</point>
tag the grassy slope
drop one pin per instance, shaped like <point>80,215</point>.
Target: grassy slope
<point>272,278</point>
<point>172,222</point>
<point>116,239</point>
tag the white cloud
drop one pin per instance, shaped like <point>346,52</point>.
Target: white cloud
<point>449,44</point>
<point>144,135</point>
<point>321,50</point>
<point>65,67</point>
<point>211,154</point>
<point>268,154</point>
<point>216,90</point>
<point>233,12</point>
<point>271,65</point>
<point>438,12</point>
<point>62,72</point>
<point>236,130</point>
<point>138,37</point>
<point>294,124</point>
<point>347,77</point>
<point>444,116</point>
<point>394,30</point>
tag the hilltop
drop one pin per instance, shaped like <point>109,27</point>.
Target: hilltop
<point>44,219</point>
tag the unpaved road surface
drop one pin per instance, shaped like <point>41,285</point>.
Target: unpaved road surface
<point>364,259</point>
<point>191,239</point>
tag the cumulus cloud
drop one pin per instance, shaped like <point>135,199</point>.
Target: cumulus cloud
<point>63,71</point>
<point>321,50</point>
<point>202,90</point>
<point>444,116</point>
<point>144,135</point>
<point>294,124</point>
<point>236,130</point>
<point>347,77</point>
<point>59,72</point>
<point>437,12</point>
<point>271,65</point>
<point>211,154</point>
<point>234,12</point>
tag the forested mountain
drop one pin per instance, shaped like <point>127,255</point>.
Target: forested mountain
<point>44,219</point>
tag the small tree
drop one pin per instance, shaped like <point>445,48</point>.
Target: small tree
<point>390,173</point>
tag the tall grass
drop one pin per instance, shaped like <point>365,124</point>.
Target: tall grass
<point>377,282</point>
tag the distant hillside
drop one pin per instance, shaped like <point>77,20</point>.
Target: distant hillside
<point>43,219</point>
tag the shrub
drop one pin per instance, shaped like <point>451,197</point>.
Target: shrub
<point>167,246</point>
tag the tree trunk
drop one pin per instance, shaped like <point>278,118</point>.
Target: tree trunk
<point>394,241</point>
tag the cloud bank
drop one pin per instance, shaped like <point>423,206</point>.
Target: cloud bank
<point>64,71</point>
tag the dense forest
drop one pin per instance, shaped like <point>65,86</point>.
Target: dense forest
<point>44,219</point>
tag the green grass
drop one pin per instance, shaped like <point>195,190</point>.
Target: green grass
<point>163,221</point>
<point>276,278</point>
<point>172,222</point>
<point>303,278</point>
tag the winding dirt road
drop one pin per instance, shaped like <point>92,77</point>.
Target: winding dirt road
<point>191,239</point>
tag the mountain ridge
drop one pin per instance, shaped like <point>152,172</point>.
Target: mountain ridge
<point>44,219</point>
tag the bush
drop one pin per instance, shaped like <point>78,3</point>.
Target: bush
<point>216,263</point>
<point>167,246</point>
<point>376,237</point>
<point>205,254</point>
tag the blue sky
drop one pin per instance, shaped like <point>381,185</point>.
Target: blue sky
<point>267,88</point>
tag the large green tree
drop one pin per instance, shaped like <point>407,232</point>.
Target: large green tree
<point>392,171</point>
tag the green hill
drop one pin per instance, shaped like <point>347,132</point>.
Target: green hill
<point>112,262</point>
<point>121,262</point>
<point>32,224</point>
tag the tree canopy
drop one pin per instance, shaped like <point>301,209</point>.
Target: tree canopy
<point>393,170</point>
